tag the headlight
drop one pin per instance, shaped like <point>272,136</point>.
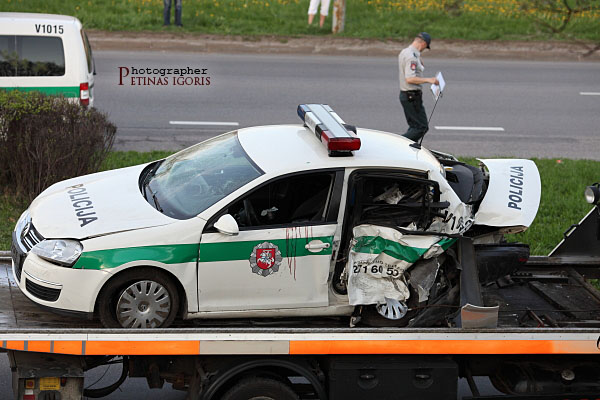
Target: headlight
<point>61,251</point>
<point>24,219</point>
<point>592,194</point>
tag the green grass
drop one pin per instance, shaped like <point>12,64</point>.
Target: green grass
<point>382,19</point>
<point>562,201</point>
<point>120,159</point>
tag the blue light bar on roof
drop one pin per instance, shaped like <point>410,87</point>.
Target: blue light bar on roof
<point>329,128</point>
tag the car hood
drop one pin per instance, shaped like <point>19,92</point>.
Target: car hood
<point>94,205</point>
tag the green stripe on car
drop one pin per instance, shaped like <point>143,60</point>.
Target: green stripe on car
<point>185,253</point>
<point>66,91</point>
<point>212,252</point>
<point>377,244</point>
<point>166,254</point>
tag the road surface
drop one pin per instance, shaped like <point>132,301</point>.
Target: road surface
<point>490,108</point>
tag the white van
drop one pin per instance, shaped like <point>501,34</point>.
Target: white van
<point>47,53</point>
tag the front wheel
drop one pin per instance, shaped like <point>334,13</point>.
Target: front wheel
<point>260,389</point>
<point>139,298</point>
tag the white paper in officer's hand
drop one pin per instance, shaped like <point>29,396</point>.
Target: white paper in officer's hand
<point>438,89</point>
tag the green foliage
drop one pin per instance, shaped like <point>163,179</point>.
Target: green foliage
<point>16,104</point>
<point>448,19</point>
<point>122,159</point>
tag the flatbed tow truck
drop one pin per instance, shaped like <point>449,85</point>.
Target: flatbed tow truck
<point>546,345</point>
<point>531,325</point>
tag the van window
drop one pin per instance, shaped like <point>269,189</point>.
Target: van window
<point>31,56</point>
<point>88,52</point>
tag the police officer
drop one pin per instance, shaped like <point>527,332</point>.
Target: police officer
<point>411,79</point>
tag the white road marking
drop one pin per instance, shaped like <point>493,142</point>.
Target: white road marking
<point>213,123</point>
<point>470,128</point>
<point>589,93</point>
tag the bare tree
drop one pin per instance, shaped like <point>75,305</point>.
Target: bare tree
<point>562,10</point>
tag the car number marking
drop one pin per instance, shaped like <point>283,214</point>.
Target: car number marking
<point>49,29</point>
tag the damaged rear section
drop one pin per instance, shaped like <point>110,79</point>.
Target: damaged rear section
<point>402,265</point>
<point>397,229</point>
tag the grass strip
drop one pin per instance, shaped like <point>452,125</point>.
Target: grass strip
<point>562,203</point>
<point>383,19</point>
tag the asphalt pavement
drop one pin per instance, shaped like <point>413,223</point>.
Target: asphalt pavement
<point>489,107</point>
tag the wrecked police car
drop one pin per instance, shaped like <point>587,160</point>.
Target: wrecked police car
<point>317,219</point>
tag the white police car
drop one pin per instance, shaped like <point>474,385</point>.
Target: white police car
<point>271,221</point>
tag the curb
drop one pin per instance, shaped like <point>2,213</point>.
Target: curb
<point>341,46</point>
<point>5,256</point>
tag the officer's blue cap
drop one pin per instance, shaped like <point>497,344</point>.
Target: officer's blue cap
<point>426,38</point>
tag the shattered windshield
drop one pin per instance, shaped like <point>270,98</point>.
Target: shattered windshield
<point>188,182</point>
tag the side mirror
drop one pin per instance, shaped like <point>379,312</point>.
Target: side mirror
<point>227,225</point>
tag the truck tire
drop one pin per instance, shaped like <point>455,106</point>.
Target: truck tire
<point>260,389</point>
<point>138,298</point>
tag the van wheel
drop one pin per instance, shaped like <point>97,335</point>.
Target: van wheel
<point>260,389</point>
<point>139,298</point>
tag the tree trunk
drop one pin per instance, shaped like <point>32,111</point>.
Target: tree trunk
<point>339,16</point>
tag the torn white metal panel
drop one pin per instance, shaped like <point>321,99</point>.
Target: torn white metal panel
<point>378,260</point>
<point>513,194</point>
<point>458,217</point>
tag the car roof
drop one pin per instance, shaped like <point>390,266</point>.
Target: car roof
<point>39,17</point>
<point>280,149</point>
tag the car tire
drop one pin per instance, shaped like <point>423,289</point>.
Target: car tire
<point>260,389</point>
<point>146,298</point>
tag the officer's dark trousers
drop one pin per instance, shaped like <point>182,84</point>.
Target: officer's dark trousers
<point>412,103</point>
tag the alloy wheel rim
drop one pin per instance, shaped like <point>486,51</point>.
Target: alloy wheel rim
<point>144,304</point>
<point>392,309</point>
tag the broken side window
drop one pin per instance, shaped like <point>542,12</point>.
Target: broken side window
<point>394,201</point>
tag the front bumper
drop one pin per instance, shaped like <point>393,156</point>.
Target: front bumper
<point>62,289</point>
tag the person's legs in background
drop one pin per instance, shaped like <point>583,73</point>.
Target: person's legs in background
<point>312,10</point>
<point>167,12</point>
<point>178,13</point>
<point>414,111</point>
<point>324,12</point>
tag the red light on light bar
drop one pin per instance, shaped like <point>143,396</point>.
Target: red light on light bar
<point>340,143</point>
